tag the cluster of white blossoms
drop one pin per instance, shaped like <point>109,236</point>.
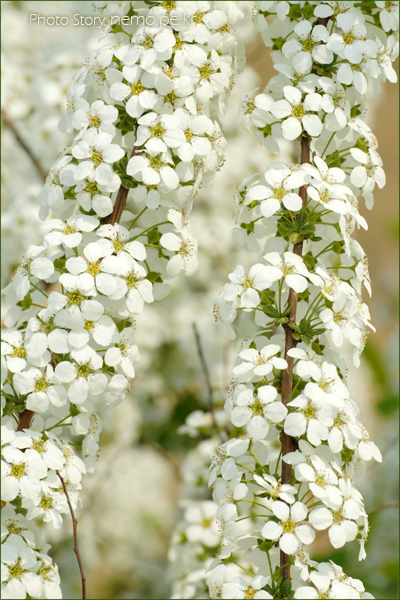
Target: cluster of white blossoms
<point>289,469</point>
<point>144,112</point>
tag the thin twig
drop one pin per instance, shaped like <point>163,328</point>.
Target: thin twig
<point>120,201</point>
<point>24,145</point>
<point>289,444</point>
<point>75,532</point>
<point>377,509</point>
<point>207,377</point>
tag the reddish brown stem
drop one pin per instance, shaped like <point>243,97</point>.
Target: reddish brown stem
<point>75,533</point>
<point>289,444</point>
<point>120,201</point>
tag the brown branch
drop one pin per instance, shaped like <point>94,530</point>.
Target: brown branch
<point>120,201</point>
<point>289,444</point>
<point>377,509</point>
<point>25,419</point>
<point>75,532</point>
<point>207,377</point>
<point>24,145</point>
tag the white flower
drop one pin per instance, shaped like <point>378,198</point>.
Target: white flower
<point>256,411</point>
<point>83,374</point>
<point>32,264</point>
<point>87,272</point>
<point>159,132</point>
<point>131,281</point>
<point>313,417</point>
<point>16,577</point>
<point>260,363</point>
<point>91,195</point>
<point>321,479</point>
<point>196,129</point>
<point>124,353</point>
<point>352,43</point>
<point>13,349</point>
<point>247,285</point>
<point>69,232</point>
<point>369,173</point>
<point>119,241</point>
<point>95,151</point>
<point>150,45</point>
<point>21,473</point>
<point>295,113</point>
<point>140,98</point>
<point>292,268</point>
<point>202,523</point>
<point>240,588</point>
<point>152,168</point>
<point>279,187</point>
<point>40,388</point>
<point>276,490</point>
<point>185,248</point>
<point>340,320</point>
<point>342,528</point>
<point>287,530</point>
<point>98,115</point>
<point>309,47</point>
<point>389,15</point>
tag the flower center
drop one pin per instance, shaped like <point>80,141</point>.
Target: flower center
<point>197,17</point>
<point>46,502</point>
<point>171,97</point>
<point>17,471</point>
<point>320,481</point>
<point>84,370</point>
<point>188,135</point>
<point>247,283</point>
<point>15,571</point>
<point>75,298</point>
<point>93,269</point>
<point>157,131</point>
<point>349,38</point>
<point>308,44</point>
<point>148,42</point>
<point>69,229</point>
<point>337,517</point>
<point>288,270</point>
<point>249,593</point>
<point>41,384</point>
<point>338,317</point>
<point>257,408</point>
<point>338,422</point>
<point>39,446</point>
<point>137,88</point>
<point>169,6</point>
<point>206,70</point>
<point>95,121</point>
<point>309,412</point>
<point>298,111</point>
<point>288,526</point>
<point>132,279</point>
<point>97,157</point>
<point>118,245</point>
<point>14,528</point>
<point>20,351</point>
<point>279,193</point>
<point>88,325</point>
<point>156,162</point>
<point>92,188</point>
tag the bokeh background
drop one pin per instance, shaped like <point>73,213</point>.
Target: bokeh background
<point>131,503</point>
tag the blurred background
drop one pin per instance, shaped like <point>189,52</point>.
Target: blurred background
<point>131,503</point>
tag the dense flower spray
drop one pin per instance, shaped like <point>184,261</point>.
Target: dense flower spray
<point>288,470</point>
<point>144,112</point>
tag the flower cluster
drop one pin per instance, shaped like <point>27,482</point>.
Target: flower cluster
<point>299,441</point>
<point>144,112</point>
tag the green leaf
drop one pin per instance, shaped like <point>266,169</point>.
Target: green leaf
<point>26,302</point>
<point>154,277</point>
